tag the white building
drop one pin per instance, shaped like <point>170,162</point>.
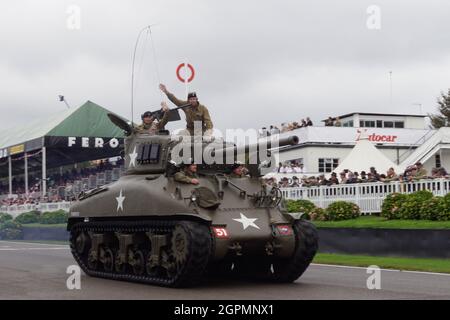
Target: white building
<point>397,136</point>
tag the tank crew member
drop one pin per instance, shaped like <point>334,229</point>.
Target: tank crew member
<point>188,174</point>
<point>239,171</point>
<point>149,122</point>
<point>197,111</point>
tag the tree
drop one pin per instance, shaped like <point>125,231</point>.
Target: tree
<point>442,119</point>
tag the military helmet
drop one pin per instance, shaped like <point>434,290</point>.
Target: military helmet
<point>192,95</point>
<point>146,114</point>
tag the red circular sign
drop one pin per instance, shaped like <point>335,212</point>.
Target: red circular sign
<point>190,68</point>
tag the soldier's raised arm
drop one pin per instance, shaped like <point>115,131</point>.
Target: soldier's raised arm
<point>165,118</point>
<point>171,97</point>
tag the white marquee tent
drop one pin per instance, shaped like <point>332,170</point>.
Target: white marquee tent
<point>363,156</point>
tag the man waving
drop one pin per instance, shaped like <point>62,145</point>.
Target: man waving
<point>196,111</point>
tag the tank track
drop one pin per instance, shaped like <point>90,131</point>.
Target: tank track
<point>283,270</point>
<point>186,260</point>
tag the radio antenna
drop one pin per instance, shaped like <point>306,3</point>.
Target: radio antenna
<point>149,30</point>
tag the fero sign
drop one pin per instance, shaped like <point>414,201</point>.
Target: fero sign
<point>180,77</point>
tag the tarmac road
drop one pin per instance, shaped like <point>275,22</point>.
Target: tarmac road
<point>38,271</point>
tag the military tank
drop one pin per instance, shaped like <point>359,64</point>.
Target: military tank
<point>146,227</point>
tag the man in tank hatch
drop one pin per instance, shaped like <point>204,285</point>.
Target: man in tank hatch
<point>196,112</point>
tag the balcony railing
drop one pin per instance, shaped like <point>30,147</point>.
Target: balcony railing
<point>368,196</point>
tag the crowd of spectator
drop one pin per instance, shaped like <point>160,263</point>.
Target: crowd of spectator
<point>330,122</point>
<point>285,127</point>
<point>55,182</point>
<point>412,173</point>
<point>290,167</point>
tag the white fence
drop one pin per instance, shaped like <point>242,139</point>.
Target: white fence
<point>368,196</point>
<point>15,210</point>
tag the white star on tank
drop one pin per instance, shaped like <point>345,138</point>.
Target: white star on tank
<point>120,199</point>
<point>133,157</point>
<point>247,222</point>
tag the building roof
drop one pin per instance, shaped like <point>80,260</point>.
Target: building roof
<point>377,114</point>
<point>88,120</point>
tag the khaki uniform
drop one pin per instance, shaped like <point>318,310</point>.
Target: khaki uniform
<point>198,113</point>
<point>153,127</point>
<point>421,173</point>
<point>185,176</point>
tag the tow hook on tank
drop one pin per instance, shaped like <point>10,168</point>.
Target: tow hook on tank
<point>236,247</point>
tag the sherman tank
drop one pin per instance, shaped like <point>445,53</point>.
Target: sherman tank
<point>147,227</point>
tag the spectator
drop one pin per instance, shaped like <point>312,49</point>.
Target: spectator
<point>351,178</point>
<point>298,168</point>
<point>363,176</point>
<point>343,177</point>
<point>295,182</point>
<point>323,181</point>
<point>308,122</point>
<point>286,168</point>
<point>329,122</point>
<point>374,173</point>
<point>421,172</point>
<point>390,175</point>
<point>337,123</point>
<point>333,179</point>
<point>371,177</point>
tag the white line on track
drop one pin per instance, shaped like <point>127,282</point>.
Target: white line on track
<point>33,243</point>
<point>390,270</point>
<point>25,249</point>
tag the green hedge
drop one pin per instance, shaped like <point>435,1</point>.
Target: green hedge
<point>5,217</point>
<point>304,206</point>
<point>338,210</point>
<point>390,208</point>
<point>10,230</point>
<point>420,205</point>
<point>54,217</point>
<point>342,210</point>
<point>28,217</point>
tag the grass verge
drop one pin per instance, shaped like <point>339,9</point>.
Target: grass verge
<point>382,223</point>
<point>41,225</point>
<point>412,264</point>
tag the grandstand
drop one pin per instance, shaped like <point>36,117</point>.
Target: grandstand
<point>53,159</point>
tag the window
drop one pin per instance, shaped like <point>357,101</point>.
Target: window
<point>328,164</point>
<point>367,123</point>
<point>348,124</point>
<point>399,124</point>
<point>437,159</point>
<point>388,124</point>
<point>379,124</point>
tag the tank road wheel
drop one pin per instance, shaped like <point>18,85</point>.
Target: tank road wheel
<point>82,242</point>
<point>289,270</point>
<point>119,266</point>
<point>108,260</point>
<point>190,249</point>
<point>179,243</point>
<point>138,262</point>
<point>92,260</point>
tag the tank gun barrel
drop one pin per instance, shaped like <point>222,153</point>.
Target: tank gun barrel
<point>266,144</point>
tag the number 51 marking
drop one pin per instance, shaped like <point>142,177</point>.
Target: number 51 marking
<point>220,233</point>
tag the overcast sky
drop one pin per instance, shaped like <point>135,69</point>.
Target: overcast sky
<point>257,62</point>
